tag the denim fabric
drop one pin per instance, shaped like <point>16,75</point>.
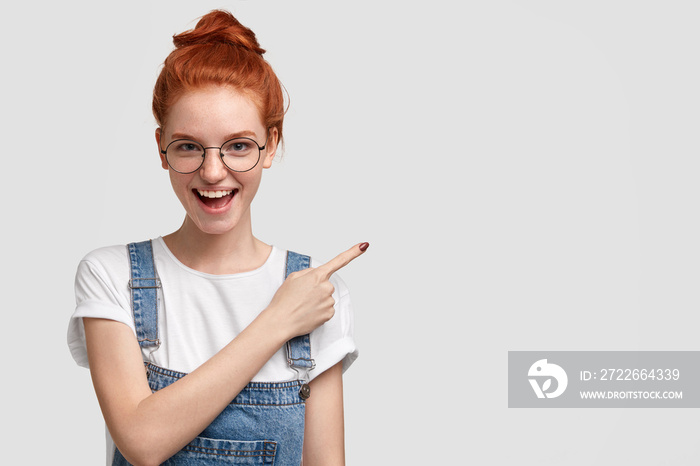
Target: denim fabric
<point>263,425</point>
<point>144,286</point>
<point>205,451</point>
<point>299,348</point>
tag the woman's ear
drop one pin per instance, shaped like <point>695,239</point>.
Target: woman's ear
<point>163,162</point>
<point>270,147</point>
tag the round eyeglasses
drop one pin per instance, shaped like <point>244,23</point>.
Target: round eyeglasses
<point>187,156</point>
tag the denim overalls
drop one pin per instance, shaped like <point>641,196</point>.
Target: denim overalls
<point>264,424</point>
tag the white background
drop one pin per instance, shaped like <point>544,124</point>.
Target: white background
<point>525,171</point>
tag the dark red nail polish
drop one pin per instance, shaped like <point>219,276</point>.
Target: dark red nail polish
<point>364,246</point>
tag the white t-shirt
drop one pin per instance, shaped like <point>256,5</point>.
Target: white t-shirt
<point>201,313</point>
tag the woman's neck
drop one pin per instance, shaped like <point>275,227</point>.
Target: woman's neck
<point>232,252</point>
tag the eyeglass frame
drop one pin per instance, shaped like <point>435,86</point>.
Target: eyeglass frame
<point>221,154</point>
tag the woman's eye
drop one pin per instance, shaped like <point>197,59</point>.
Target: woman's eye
<point>238,148</point>
<point>188,147</point>
<point>185,149</point>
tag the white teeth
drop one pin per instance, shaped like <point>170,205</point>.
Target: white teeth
<point>213,194</point>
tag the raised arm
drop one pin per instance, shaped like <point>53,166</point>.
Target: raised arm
<point>150,427</point>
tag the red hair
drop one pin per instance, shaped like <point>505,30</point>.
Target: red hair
<point>220,50</point>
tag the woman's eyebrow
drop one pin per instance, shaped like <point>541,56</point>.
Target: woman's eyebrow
<point>238,134</point>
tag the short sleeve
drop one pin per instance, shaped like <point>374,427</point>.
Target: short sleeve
<point>334,342</point>
<point>101,291</point>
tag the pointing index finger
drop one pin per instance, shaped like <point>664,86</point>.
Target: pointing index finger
<point>342,259</point>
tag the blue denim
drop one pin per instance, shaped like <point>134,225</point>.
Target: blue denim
<point>144,286</point>
<point>264,424</point>
<point>299,348</point>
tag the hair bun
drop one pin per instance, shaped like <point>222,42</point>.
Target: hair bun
<point>219,26</point>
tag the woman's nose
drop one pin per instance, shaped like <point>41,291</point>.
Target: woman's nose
<point>213,168</point>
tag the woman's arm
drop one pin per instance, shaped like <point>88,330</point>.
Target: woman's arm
<point>324,432</point>
<point>150,427</point>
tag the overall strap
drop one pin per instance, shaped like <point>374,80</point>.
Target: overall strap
<point>144,286</point>
<point>299,348</point>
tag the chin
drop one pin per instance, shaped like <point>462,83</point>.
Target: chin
<point>216,229</point>
<point>219,227</point>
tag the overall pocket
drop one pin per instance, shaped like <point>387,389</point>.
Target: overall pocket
<point>204,451</point>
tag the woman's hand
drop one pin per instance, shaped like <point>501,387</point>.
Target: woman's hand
<point>304,301</point>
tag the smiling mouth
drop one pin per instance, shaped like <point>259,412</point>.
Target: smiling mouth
<point>215,199</point>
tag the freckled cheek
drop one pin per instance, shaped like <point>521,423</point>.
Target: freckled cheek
<point>249,180</point>
<point>179,184</point>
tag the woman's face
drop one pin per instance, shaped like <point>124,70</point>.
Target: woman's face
<point>215,198</point>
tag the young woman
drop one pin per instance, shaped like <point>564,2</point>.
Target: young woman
<point>219,319</point>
